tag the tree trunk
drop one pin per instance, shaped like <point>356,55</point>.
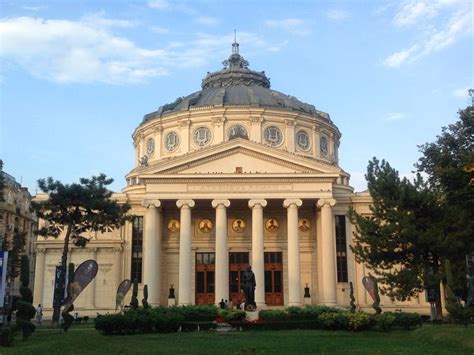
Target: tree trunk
<point>62,279</point>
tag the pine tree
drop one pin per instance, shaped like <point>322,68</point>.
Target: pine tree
<point>74,209</point>
<point>134,300</point>
<point>24,306</point>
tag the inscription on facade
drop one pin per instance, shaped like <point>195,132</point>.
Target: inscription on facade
<point>249,187</point>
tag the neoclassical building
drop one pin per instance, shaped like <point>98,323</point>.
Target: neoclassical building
<point>231,175</point>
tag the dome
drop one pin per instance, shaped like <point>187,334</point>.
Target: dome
<point>236,85</point>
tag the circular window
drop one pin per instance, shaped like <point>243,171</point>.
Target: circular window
<point>238,131</point>
<point>150,146</point>
<point>272,135</point>
<point>202,136</point>
<point>171,141</point>
<point>323,145</point>
<point>302,140</point>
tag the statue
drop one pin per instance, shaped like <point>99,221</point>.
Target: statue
<point>249,288</point>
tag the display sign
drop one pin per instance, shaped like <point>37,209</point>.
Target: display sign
<point>83,275</point>
<point>432,294</point>
<point>122,290</point>
<point>369,285</point>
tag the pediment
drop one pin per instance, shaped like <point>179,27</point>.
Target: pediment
<point>239,157</point>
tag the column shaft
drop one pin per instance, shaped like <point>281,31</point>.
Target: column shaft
<point>258,265</point>
<point>328,252</point>
<point>39,276</point>
<point>222,259</point>
<point>185,267</point>
<point>294,272</point>
<point>151,250</point>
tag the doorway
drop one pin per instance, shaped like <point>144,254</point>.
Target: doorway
<point>238,263</point>
<point>273,278</point>
<point>205,267</point>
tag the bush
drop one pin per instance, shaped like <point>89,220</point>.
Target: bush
<point>160,319</point>
<point>459,314</point>
<point>232,315</point>
<point>7,335</point>
<point>273,315</point>
<point>385,321</point>
<point>359,321</point>
<point>197,313</point>
<point>334,320</point>
<point>407,320</point>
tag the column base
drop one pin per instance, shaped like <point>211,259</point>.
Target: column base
<point>329,304</point>
<point>261,305</point>
<point>295,304</point>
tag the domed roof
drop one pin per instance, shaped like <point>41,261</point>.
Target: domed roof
<point>236,85</point>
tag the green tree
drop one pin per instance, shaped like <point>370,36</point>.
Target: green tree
<point>448,163</point>
<point>24,306</point>
<point>403,236</point>
<point>74,209</point>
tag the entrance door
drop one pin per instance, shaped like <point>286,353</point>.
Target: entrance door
<point>273,278</point>
<point>238,263</point>
<point>205,266</point>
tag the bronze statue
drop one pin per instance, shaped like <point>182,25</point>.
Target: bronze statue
<point>248,287</point>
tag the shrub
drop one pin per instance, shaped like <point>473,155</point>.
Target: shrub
<point>359,321</point>
<point>459,314</point>
<point>7,335</point>
<point>232,315</point>
<point>385,321</point>
<point>334,320</point>
<point>197,313</point>
<point>273,315</point>
<point>407,320</point>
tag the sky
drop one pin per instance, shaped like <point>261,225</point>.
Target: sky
<point>77,77</point>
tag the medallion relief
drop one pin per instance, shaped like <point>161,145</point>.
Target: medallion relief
<point>272,225</point>
<point>173,225</point>
<point>205,226</point>
<point>238,225</point>
<point>304,225</point>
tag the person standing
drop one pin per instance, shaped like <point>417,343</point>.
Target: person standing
<point>39,314</point>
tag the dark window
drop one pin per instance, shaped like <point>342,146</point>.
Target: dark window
<point>205,258</point>
<point>238,258</point>
<point>268,281</point>
<point>277,285</point>
<point>341,249</point>
<point>137,248</point>
<point>273,257</point>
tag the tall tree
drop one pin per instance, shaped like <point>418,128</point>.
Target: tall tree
<point>74,209</point>
<point>402,237</point>
<point>448,163</point>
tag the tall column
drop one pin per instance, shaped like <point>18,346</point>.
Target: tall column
<point>257,250</point>
<point>185,234</point>
<point>152,249</point>
<point>39,276</point>
<point>294,272</point>
<point>95,296</point>
<point>222,258</point>
<point>328,261</point>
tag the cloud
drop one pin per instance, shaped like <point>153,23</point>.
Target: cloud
<point>455,23</point>
<point>294,26</point>
<point>76,51</point>
<point>394,116</point>
<point>159,30</point>
<point>87,51</point>
<point>461,92</point>
<point>338,14</point>
<point>33,8</point>
<point>159,4</point>
<point>207,20</point>
<point>99,20</point>
<point>398,58</point>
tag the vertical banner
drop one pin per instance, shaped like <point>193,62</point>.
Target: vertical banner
<point>3,276</point>
<point>122,290</point>
<point>58,298</point>
<point>369,285</point>
<point>83,275</point>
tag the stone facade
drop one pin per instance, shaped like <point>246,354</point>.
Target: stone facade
<point>232,175</point>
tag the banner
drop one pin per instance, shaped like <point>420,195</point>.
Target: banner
<point>122,290</point>
<point>3,275</point>
<point>83,275</point>
<point>369,285</point>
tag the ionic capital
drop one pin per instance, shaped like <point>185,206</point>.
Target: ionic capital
<point>182,203</point>
<point>41,250</point>
<point>155,203</point>
<point>330,202</point>
<point>217,203</point>
<point>292,201</point>
<point>257,202</point>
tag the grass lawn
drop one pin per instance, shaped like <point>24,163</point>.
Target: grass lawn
<point>426,340</point>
